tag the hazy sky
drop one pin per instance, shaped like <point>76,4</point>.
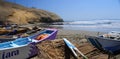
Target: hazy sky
<point>77,9</point>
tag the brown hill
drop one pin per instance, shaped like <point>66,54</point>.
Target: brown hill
<point>14,13</point>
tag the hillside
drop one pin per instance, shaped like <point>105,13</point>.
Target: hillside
<point>14,13</point>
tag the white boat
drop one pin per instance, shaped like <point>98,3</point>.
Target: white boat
<point>17,49</point>
<point>23,48</point>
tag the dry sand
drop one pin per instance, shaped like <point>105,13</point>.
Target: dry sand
<point>73,32</point>
<point>76,34</point>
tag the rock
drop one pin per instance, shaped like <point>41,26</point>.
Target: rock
<point>14,13</point>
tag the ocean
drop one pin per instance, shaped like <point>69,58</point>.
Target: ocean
<point>90,25</point>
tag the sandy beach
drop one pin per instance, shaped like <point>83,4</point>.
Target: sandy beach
<point>57,49</point>
<point>24,27</point>
<point>79,32</point>
<point>76,34</point>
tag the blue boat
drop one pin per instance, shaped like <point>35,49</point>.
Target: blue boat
<point>47,34</point>
<point>37,36</point>
<point>12,36</point>
<point>23,48</point>
<point>93,40</point>
<point>108,44</point>
<point>18,49</point>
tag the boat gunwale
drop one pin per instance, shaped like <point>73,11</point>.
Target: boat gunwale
<point>12,47</point>
<point>54,31</point>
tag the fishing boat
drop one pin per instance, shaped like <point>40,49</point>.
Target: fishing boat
<point>6,38</point>
<point>12,31</point>
<point>34,35</point>
<point>93,40</point>
<point>12,36</point>
<point>47,34</point>
<point>108,42</point>
<point>24,47</point>
<point>18,49</point>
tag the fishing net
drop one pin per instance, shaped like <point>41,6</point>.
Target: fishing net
<point>51,49</point>
<point>56,49</point>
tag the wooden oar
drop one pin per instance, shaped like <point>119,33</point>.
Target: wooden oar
<point>73,48</point>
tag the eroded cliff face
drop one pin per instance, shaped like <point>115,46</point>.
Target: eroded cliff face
<point>14,13</point>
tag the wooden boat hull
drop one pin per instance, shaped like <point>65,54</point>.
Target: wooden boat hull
<point>2,32</point>
<point>10,50</point>
<point>109,45</point>
<point>6,39</point>
<point>10,37</point>
<point>113,46</point>
<point>22,52</point>
<point>93,40</point>
<point>23,48</point>
<point>52,35</point>
<point>12,31</point>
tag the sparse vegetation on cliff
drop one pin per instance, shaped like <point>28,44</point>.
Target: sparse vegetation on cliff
<point>14,13</point>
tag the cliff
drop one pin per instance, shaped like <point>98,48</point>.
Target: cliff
<point>14,13</point>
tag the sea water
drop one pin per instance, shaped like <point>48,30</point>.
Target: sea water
<point>92,25</point>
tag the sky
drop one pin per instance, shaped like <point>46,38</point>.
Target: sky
<point>77,9</point>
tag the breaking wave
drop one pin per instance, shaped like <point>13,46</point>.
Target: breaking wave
<point>94,25</point>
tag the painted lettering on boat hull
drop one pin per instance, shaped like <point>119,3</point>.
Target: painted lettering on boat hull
<point>16,53</point>
<point>6,55</point>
